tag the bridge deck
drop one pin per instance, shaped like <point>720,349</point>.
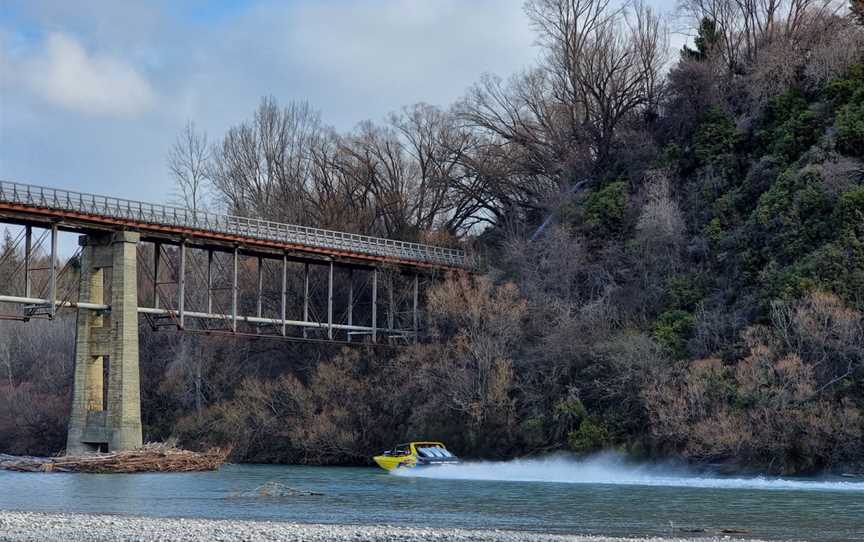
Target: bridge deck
<point>165,219</point>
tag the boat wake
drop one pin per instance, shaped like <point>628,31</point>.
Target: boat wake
<point>609,468</point>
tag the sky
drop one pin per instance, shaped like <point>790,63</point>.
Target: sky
<point>94,92</point>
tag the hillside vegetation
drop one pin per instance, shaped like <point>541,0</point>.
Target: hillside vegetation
<point>672,257</point>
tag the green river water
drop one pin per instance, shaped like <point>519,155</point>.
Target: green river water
<point>603,495</point>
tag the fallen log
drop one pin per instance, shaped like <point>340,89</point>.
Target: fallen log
<point>150,458</point>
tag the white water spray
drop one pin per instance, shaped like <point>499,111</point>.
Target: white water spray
<point>609,468</point>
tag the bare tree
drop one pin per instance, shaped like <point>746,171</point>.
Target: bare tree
<point>435,145</point>
<point>548,267</point>
<point>6,358</point>
<point>834,53</point>
<point>746,27</point>
<point>650,36</point>
<point>660,231</point>
<point>519,119</point>
<point>413,173</point>
<point>826,333</point>
<point>187,371</point>
<point>188,161</point>
<point>376,160</point>
<point>336,200</point>
<point>476,366</point>
<point>544,130</point>
<point>261,167</point>
<point>604,62</point>
<point>406,178</point>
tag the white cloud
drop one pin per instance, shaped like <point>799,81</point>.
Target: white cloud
<point>64,74</point>
<point>139,70</point>
<point>361,59</point>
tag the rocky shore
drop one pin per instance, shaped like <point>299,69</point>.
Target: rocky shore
<point>28,526</point>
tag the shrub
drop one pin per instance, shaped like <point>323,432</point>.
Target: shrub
<point>759,179</point>
<point>713,230</point>
<point>841,90</point>
<point>793,218</point>
<point>590,437</point>
<point>808,241</point>
<point>788,127</point>
<point>850,210</point>
<point>686,290</point>
<point>673,329</point>
<point>570,409</point>
<point>765,410</point>
<point>837,267</point>
<point>716,137</point>
<point>850,126</point>
<point>795,136</point>
<point>605,209</point>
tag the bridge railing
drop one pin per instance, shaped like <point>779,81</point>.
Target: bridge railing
<point>166,215</point>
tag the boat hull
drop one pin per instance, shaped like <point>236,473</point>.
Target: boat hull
<point>387,462</point>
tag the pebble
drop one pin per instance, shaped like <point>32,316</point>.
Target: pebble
<point>33,527</point>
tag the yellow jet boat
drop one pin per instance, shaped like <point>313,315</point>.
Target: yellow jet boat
<point>416,454</point>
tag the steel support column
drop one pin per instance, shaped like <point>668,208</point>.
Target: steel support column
<point>390,305</point>
<point>53,279</point>
<point>305,296</point>
<point>157,255</point>
<point>181,285</point>
<point>375,305</point>
<point>258,302</point>
<point>28,249</point>
<point>350,299</point>
<point>284,304</point>
<point>414,311</point>
<point>209,281</point>
<point>234,291</point>
<point>330,303</point>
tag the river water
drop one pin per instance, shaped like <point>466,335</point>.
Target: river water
<point>603,495</point>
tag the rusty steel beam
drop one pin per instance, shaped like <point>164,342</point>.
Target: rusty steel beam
<point>95,211</point>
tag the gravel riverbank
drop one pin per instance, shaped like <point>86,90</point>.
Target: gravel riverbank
<point>28,526</point>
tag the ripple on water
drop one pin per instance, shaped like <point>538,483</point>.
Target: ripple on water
<point>615,470</point>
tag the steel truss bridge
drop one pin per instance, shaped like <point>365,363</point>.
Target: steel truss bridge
<point>197,272</point>
<point>214,256</point>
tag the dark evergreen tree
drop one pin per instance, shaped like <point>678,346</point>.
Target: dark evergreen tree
<point>707,40</point>
<point>857,9</point>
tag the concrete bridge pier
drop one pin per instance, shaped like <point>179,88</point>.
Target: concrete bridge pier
<point>107,419</point>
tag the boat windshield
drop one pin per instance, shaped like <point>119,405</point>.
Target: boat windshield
<point>402,449</point>
<point>440,453</point>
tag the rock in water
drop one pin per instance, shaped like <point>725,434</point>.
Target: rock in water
<point>275,489</point>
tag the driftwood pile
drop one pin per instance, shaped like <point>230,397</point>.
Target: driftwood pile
<point>150,458</point>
